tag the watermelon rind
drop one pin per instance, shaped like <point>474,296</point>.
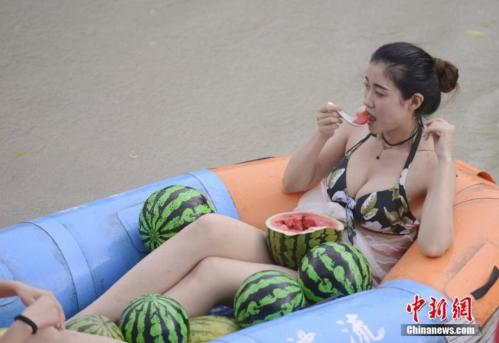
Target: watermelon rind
<point>333,270</point>
<point>95,325</point>
<point>169,210</point>
<point>267,295</point>
<point>209,327</point>
<point>154,318</point>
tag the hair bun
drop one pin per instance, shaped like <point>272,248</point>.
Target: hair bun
<point>447,75</point>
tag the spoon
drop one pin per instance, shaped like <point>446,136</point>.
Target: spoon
<point>350,119</point>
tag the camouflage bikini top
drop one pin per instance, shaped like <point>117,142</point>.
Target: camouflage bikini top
<point>385,211</point>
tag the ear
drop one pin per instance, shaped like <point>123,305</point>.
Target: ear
<point>415,101</point>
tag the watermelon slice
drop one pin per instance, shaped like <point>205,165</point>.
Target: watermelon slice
<point>362,116</point>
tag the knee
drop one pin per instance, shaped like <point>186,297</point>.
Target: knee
<point>209,220</point>
<point>207,226</point>
<point>207,270</point>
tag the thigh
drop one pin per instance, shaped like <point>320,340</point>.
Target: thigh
<point>210,235</point>
<point>215,280</point>
<point>223,236</point>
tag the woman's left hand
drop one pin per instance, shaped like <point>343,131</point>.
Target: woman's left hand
<point>442,133</point>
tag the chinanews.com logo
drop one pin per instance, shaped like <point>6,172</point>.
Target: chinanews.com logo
<point>461,310</point>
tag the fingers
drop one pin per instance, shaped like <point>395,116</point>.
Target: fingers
<point>328,119</point>
<point>52,304</point>
<point>327,125</point>
<point>62,318</point>
<point>329,108</point>
<point>329,115</point>
<point>60,312</point>
<point>38,293</point>
<point>30,294</point>
<point>437,127</point>
<point>29,300</point>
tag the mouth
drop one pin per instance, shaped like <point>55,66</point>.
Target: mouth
<point>371,119</point>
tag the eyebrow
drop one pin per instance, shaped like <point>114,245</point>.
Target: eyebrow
<point>377,85</point>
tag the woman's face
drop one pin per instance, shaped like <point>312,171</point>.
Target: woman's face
<point>383,100</point>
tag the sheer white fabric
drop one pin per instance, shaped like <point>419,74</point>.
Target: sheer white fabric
<point>381,250</point>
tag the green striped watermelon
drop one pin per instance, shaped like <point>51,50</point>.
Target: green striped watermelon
<point>154,318</point>
<point>206,328</point>
<point>333,270</point>
<point>265,296</point>
<point>168,211</point>
<point>291,234</point>
<point>95,325</point>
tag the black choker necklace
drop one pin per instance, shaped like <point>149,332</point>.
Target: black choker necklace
<point>401,142</point>
<point>390,145</point>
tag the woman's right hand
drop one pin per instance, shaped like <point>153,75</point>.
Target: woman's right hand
<point>45,312</point>
<point>328,120</point>
<point>29,294</point>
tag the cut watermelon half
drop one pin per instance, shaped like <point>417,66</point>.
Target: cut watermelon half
<point>291,234</point>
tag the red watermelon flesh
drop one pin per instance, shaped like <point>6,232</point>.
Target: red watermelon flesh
<point>362,117</point>
<point>299,222</point>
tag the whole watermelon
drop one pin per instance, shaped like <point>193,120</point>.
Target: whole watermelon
<point>267,295</point>
<point>169,210</point>
<point>206,328</point>
<point>291,234</point>
<point>154,318</point>
<point>333,270</point>
<point>95,325</point>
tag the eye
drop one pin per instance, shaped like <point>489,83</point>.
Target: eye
<point>380,94</point>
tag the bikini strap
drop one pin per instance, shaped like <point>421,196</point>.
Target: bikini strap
<point>412,153</point>
<point>359,143</point>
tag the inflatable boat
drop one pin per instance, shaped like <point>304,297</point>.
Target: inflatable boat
<point>80,252</point>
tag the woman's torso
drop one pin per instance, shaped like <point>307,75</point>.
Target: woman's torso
<point>366,178</point>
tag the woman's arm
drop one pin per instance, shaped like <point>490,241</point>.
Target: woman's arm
<point>45,312</point>
<point>437,219</point>
<point>326,146</point>
<point>42,308</point>
<point>8,288</point>
<point>436,229</point>
<point>28,294</point>
<point>18,332</point>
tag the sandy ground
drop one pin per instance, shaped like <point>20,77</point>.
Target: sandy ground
<point>97,97</point>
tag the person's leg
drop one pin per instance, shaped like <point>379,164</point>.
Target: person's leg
<point>215,280</point>
<point>210,235</point>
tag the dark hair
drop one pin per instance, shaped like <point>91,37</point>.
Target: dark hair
<point>413,70</point>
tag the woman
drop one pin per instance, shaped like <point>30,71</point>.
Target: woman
<point>398,156</point>
<point>43,319</point>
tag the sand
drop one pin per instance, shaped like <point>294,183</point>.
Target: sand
<point>101,97</point>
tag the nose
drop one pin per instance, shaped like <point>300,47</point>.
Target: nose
<point>368,102</point>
